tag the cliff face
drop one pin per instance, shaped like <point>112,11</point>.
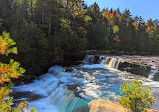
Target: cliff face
<point>108,106</point>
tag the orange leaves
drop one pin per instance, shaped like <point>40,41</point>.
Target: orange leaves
<point>105,12</point>
<point>6,44</point>
<point>148,29</point>
<point>22,105</point>
<point>11,70</point>
<point>3,80</point>
<point>3,45</point>
<point>4,71</point>
<point>2,49</point>
<point>97,9</point>
<point>8,71</point>
<point>85,31</point>
<point>1,92</point>
<point>68,20</point>
<point>117,38</point>
<point>4,92</point>
<point>135,24</point>
<point>110,15</point>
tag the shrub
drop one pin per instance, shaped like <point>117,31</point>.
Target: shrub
<point>135,97</point>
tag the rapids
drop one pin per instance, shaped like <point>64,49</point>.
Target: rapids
<point>70,89</point>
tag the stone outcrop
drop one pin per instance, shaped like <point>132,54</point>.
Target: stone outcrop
<point>102,105</point>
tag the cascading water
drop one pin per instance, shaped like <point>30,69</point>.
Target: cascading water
<point>89,58</point>
<point>62,91</point>
<point>57,94</point>
<point>116,61</point>
<point>153,72</point>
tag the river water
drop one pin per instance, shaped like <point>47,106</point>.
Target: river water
<point>70,89</point>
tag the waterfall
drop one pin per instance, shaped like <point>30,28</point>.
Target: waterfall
<point>111,62</point>
<point>59,95</point>
<point>153,72</point>
<point>89,58</point>
<point>61,91</point>
<point>53,86</point>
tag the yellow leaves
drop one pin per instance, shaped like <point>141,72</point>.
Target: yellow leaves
<point>87,19</point>
<point>65,23</point>
<point>4,105</point>
<point>8,71</point>
<point>6,43</point>
<point>79,12</point>
<point>11,70</point>
<point>135,97</point>
<point>76,8</point>
<point>3,93</point>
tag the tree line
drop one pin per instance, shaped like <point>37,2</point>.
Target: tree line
<point>46,29</point>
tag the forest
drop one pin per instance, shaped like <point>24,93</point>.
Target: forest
<point>48,30</point>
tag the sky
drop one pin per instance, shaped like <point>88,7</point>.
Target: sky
<point>145,8</point>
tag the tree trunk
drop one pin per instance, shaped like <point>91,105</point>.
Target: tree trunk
<point>49,32</point>
<point>42,17</point>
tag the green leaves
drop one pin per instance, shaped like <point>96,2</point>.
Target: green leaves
<point>135,97</point>
<point>6,44</point>
<point>33,110</point>
<point>7,72</point>
<point>65,23</point>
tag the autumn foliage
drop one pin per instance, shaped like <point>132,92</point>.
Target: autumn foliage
<point>136,98</point>
<point>110,15</point>
<point>148,29</point>
<point>8,72</point>
<point>117,38</point>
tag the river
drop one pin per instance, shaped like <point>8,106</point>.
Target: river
<point>70,89</point>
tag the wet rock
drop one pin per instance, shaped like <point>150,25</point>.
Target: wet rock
<point>72,87</point>
<point>30,96</point>
<point>69,70</point>
<point>96,59</point>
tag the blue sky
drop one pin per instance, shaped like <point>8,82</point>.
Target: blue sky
<point>145,8</point>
